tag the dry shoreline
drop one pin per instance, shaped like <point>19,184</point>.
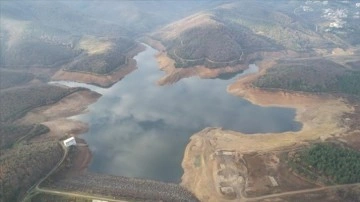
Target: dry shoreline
<point>172,74</point>
<point>56,118</point>
<point>320,116</point>
<point>105,81</point>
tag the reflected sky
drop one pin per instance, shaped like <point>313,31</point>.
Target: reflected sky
<point>140,129</point>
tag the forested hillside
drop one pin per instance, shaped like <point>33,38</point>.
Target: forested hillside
<point>105,61</point>
<point>10,134</point>
<point>10,78</point>
<point>337,164</point>
<point>15,102</point>
<point>21,167</point>
<point>321,76</point>
<point>227,34</point>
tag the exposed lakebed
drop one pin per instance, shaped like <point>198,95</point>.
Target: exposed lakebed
<point>140,129</point>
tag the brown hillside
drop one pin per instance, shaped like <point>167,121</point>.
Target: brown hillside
<point>203,39</point>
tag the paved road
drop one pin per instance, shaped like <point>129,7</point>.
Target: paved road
<point>32,190</point>
<point>66,193</point>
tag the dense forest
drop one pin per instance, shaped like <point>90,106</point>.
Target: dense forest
<point>11,134</point>
<point>106,62</point>
<point>15,102</point>
<point>335,163</point>
<point>317,76</point>
<point>22,166</point>
<point>354,64</point>
<point>204,39</point>
<point>37,53</point>
<point>9,78</point>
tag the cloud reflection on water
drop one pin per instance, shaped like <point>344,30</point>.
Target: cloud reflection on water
<point>139,129</point>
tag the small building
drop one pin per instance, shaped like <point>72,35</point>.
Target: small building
<point>70,141</point>
<point>273,181</point>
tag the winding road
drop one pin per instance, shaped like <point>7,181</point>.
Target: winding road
<point>33,190</point>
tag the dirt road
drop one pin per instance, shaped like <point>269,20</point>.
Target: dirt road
<point>300,192</point>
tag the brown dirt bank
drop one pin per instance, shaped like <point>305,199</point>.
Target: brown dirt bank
<point>153,43</point>
<point>321,116</point>
<point>173,74</point>
<point>55,116</point>
<point>77,161</point>
<point>98,79</point>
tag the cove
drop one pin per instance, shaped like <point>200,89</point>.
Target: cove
<point>140,129</point>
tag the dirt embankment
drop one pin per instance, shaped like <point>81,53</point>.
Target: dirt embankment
<point>172,74</point>
<point>154,43</point>
<point>98,79</point>
<point>320,115</point>
<point>55,116</point>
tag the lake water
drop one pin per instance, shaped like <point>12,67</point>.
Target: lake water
<point>140,129</point>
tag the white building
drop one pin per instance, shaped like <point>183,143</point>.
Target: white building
<point>273,181</point>
<point>70,141</point>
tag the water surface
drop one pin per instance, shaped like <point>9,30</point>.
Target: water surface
<point>140,129</point>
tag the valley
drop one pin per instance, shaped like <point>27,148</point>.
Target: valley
<point>179,101</point>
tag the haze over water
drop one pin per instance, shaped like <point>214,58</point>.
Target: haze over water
<point>140,129</point>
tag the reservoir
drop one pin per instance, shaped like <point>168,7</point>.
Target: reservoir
<point>140,129</point>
